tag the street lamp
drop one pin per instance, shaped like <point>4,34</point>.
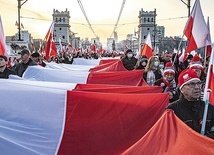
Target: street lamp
<point>19,23</point>
<point>188,6</point>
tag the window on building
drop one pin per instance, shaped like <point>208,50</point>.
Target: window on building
<point>144,20</point>
<point>60,19</point>
<point>63,19</point>
<point>144,37</point>
<point>152,19</point>
<point>63,37</point>
<point>56,19</point>
<point>148,28</point>
<point>60,28</point>
<point>148,19</point>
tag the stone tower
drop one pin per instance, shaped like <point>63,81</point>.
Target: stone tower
<point>61,27</point>
<point>147,23</point>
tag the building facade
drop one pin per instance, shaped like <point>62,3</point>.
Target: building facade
<point>62,26</point>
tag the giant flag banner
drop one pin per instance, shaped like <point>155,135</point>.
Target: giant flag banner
<point>48,114</point>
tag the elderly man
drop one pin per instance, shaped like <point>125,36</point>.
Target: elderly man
<point>26,61</point>
<point>189,108</point>
<point>4,71</point>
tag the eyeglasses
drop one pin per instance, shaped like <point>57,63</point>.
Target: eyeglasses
<point>193,84</point>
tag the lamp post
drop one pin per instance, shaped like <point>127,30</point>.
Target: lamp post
<point>188,6</point>
<point>19,23</point>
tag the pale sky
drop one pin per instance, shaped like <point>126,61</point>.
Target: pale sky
<point>102,15</point>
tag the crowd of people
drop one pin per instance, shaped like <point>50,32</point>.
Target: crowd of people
<point>184,82</point>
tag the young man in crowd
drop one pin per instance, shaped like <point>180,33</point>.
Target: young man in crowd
<point>4,71</point>
<point>25,62</point>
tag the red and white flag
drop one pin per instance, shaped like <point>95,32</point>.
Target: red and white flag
<point>210,80</point>
<point>50,49</point>
<point>208,48</point>
<point>182,56</point>
<point>147,48</point>
<point>196,29</point>
<point>3,49</point>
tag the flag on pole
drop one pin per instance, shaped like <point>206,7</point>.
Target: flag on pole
<point>22,26</point>
<point>208,48</point>
<point>147,48</point>
<point>16,24</point>
<point>50,49</point>
<point>3,49</point>
<point>196,29</point>
<point>209,79</point>
<point>182,56</point>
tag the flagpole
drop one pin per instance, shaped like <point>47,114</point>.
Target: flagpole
<point>207,94</point>
<point>205,112</point>
<point>179,46</point>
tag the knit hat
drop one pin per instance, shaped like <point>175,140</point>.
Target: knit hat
<point>196,63</point>
<point>169,69</point>
<point>186,77</point>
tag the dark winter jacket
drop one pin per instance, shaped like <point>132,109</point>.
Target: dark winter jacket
<point>129,64</point>
<point>21,67</point>
<point>5,74</point>
<point>191,112</point>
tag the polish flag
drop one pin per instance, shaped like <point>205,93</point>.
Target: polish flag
<point>208,48</point>
<point>50,48</point>
<point>3,49</point>
<point>210,80</point>
<point>196,29</point>
<point>182,56</point>
<point>147,48</point>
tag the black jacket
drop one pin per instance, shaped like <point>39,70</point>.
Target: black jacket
<point>129,64</point>
<point>191,112</point>
<point>21,67</point>
<point>5,74</point>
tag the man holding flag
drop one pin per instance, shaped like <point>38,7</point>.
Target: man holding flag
<point>189,107</point>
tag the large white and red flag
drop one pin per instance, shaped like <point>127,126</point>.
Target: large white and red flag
<point>147,48</point>
<point>196,29</point>
<point>50,49</point>
<point>90,119</point>
<point>3,49</point>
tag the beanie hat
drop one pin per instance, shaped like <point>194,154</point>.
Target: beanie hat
<point>186,77</point>
<point>196,63</point>
<point>169,69</point>
<point>35,54</point>
<point>196,59</point>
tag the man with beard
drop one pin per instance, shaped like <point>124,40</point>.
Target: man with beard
<point>189,107</point>
<point>4,71</point>
<point>25,62</point>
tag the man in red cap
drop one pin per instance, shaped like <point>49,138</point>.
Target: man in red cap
<point>189,107</point>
